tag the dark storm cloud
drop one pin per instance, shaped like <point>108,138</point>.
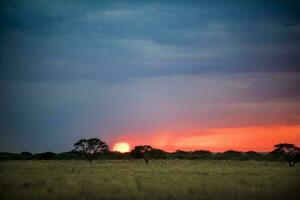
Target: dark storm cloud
<point>117,40</point>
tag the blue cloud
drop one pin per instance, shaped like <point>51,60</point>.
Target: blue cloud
<point>116,40</point>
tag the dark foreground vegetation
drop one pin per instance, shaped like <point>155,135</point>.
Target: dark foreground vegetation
<point>160,179</point>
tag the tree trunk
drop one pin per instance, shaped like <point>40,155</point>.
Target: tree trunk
<point>146,157</point>
<point>146,160</point>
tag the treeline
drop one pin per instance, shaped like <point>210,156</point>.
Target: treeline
<point>155,154</point>
<point>96,149</point>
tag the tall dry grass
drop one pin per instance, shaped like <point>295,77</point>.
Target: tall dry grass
<point>161,179</point>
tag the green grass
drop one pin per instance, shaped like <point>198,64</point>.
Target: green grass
<point>161,179</point>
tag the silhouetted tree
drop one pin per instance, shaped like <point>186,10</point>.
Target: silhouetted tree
<point>290,152</point>
<point>90,147</point>
<point>142,152</point>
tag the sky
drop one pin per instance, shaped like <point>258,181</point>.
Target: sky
<point>213,75</point>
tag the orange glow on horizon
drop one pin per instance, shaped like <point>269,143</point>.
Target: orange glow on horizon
<point>122,147</point>
<point>255,138</point>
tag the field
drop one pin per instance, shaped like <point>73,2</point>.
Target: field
<point>161,179</point>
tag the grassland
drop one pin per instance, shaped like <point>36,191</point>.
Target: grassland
<point>161,179</point>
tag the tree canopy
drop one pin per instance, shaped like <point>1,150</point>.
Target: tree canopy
<point>290,152</point>
<point>90,147</point>
<point>142,151</point>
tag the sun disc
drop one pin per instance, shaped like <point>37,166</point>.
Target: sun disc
<point>122,147</point>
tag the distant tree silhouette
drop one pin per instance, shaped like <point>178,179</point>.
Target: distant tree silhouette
<point>290,152</point>
<point>9,156</point>
<point>252,155</point>
<point>46,156</point>
<point>201,154</point>
<point>158,154</point>
<point>90,147</point>
<point>230,155</point>
<point>142,151</point>
<point>179,154</point>
<point>26,155</point>
<point>193,155</point>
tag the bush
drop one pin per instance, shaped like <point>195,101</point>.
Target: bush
<point>25,155</point>
<point>231,155</point>
<point>46,156</point>
<point>252,155</point>
<point>201,154</point>
<point>9,156</point>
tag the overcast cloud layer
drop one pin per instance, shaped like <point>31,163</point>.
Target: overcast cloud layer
<point>72,69</point>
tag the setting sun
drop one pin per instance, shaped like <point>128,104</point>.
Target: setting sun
<point>122,147</point>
